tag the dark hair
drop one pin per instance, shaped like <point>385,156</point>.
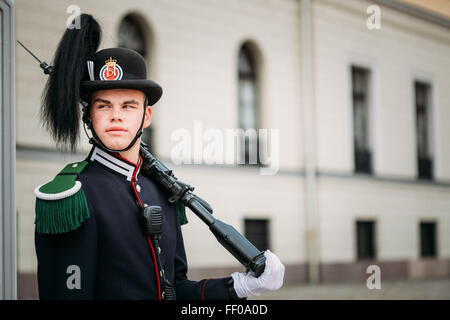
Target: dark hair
<point>60,108</point>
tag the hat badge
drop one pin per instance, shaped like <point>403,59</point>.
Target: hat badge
<point>111,70</point>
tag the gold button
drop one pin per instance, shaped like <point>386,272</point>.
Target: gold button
<point>138,188</point>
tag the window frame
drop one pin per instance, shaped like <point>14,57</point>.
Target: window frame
<point>363,160</point>
<point>253,75</point>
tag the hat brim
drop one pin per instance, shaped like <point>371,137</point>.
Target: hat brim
<point>149,87</point>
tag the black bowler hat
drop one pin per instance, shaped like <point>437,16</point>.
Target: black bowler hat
<point>119,68</point>
<point>79,69</point>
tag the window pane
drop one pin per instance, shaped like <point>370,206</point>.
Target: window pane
<point>246,67</point>
<point>248,107</point>
<point>247,110</point>
<point>423,129</point>
<point>428,239</point>
<point>365,235</point>
<point>422,119</point>
<point>361,138</point>
<point>360,125</point>
<point>247,120</point>
<point>130,35</point>
<point>257,232</point>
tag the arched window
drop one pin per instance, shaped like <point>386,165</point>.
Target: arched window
<point>133,34</point>
<point>248,105</point>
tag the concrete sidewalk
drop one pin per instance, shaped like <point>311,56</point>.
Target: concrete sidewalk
<point>437,289</point>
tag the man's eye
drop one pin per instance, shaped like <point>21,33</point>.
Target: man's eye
<point>102,106</point>
<point>128,106</point>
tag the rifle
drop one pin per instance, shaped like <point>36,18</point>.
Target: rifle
<point>239,246</point>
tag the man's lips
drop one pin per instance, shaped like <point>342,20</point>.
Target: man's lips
<point>116,129</point>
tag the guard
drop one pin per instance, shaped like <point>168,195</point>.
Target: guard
<point>103,229</point>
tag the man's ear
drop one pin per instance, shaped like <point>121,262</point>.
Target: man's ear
<point>148,116</point>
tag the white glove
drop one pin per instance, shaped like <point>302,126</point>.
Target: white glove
<point>246,285</point>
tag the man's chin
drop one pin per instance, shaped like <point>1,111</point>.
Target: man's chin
<point>116,145</point>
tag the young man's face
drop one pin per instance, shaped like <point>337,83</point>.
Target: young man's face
<point>116,116</point>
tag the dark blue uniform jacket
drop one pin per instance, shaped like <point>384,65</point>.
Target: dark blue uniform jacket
<point>111,250</point>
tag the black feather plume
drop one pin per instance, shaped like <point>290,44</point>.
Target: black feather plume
<point>60,109</point>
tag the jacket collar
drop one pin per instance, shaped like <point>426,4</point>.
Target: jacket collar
<point>116,163</point>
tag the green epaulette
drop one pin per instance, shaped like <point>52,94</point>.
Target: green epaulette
<point>61,204</point>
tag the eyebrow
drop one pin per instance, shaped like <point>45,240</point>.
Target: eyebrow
<point>101,100</point>
<point>109,102</point>
<point>130,102</point>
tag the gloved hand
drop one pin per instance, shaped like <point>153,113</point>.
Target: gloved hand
<point>246,285</point>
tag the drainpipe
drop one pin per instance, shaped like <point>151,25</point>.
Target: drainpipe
<point>8,246</point>
<point>311,214</point>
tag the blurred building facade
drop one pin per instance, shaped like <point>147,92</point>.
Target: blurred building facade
<point>359,92</point>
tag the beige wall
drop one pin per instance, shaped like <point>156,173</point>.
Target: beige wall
<point>403,50</point>
<point>397,210</point>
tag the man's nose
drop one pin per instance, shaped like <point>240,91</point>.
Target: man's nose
<point>116,114</point>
